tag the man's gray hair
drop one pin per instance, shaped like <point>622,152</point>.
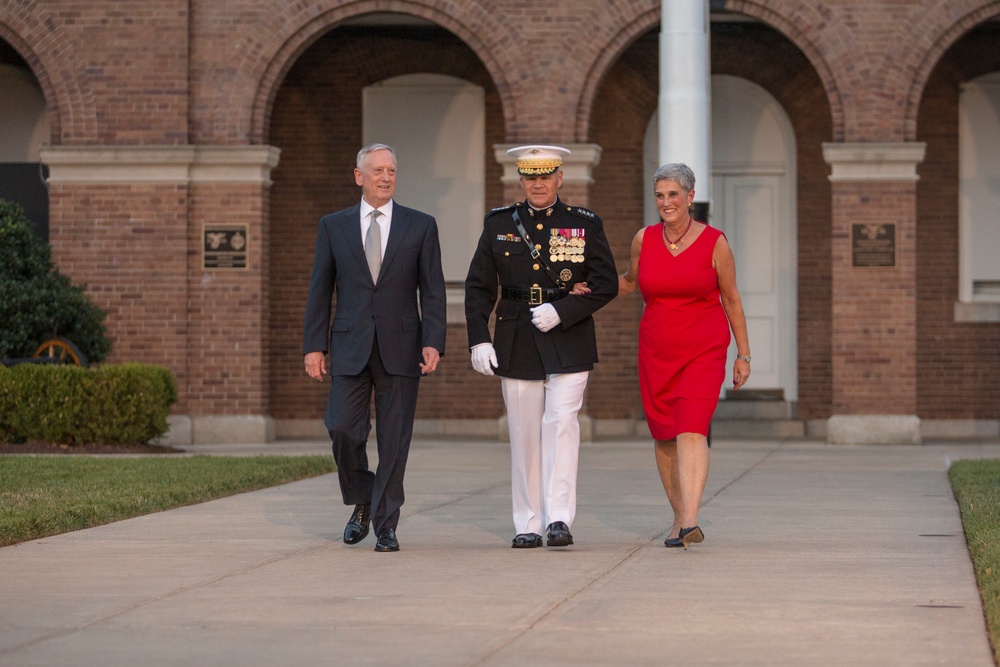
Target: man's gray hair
<point>678,172</point>
<point>371,148</point>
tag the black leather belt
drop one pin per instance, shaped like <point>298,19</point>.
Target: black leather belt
<point>533,295</point>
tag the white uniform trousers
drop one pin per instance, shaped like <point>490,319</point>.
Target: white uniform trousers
<point>544,448</point>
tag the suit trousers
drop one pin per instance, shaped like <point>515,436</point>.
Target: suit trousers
<point>544,448</point>
<point>348,421</point>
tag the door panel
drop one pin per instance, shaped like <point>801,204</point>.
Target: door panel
<point>753,178</point>
<point>748,217</point>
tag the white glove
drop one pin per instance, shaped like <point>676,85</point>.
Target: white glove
<point>545,316</point>
<point>484,358</point>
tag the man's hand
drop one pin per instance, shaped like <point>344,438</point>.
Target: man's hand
<point>315,364</point>
<point>484,358</point>
<point>431,359</point>
<point>545,316</point>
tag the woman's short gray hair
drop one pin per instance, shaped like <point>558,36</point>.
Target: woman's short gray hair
<point>675,171</point>
<point>371,148</point>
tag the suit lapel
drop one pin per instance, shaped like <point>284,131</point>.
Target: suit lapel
<point>400,226</point>
<point>350,226</point>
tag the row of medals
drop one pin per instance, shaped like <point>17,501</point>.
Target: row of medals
<point>562,249</point>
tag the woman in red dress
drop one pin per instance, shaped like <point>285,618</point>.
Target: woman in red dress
<point>687,276</point>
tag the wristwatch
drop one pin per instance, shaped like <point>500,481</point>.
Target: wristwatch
<point>743,357</point>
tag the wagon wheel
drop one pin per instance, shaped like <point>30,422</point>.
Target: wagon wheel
<point>63,350</point>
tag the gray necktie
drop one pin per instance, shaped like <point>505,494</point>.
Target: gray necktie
<point>373,245</point>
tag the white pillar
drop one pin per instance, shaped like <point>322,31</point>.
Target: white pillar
<point>685,114</point>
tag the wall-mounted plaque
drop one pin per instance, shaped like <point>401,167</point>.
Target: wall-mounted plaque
<point>874,244</point>
<point>225,247</point>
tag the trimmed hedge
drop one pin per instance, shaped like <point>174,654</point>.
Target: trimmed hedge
<point>111,404</point>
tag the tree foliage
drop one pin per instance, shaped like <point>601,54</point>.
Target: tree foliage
<point>36,301</point>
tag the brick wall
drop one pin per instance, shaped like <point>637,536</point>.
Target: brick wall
<point>874,308</point>
<point>842,70</point>
<point>228,310</point>
<point>129,245</point>
<point>135,58</point>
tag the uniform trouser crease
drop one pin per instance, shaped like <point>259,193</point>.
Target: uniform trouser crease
<point>542,418</point>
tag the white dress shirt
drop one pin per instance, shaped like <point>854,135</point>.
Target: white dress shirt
<point>384,221</point>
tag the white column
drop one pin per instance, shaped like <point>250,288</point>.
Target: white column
<point>685,114</point>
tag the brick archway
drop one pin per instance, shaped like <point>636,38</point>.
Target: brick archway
<point>270,48</point>
<point>797,31</point>
<point>609,54</point>
<point>318,121</point>
<point>920,62</point>
<point>800,25</point>
<point>58,69</point>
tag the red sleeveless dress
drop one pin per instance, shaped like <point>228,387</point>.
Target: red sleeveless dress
<point>683,335</point>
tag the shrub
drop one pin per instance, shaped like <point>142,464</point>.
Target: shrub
<point>111,404</point>
<point>36,301</point>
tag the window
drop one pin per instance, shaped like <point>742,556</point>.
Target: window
<point>979,199</point>
<point>437,125</point>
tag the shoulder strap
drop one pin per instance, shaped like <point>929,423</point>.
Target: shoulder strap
<point>537,256</point>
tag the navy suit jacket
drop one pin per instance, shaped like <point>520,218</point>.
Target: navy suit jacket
<point>406,308</point>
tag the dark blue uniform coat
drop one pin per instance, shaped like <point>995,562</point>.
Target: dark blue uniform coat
<point>503,259</point>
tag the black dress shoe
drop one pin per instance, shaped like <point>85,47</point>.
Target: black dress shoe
<point>357,526</point>
<point>387,540</point>
<point>527,541</point>
<point>673,543</point>
<point>691,536</point>
<point>558,534</point>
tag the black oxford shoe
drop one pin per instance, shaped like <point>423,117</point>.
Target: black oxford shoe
<point>527,541</point>
<point>387,540</point>
<point>357,526</point>
<point>558,534</point>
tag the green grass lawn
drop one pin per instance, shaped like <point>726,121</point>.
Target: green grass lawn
<point>48,495</point>
<point>977,489</point>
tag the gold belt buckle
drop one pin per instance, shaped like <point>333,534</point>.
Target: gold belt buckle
<point>535,296</point>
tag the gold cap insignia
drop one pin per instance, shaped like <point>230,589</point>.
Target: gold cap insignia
<point>538,160</point>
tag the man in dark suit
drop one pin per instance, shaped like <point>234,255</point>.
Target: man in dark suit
<point>383,260</point>
<point>544,340</point>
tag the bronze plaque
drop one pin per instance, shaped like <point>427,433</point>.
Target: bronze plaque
<point>225,247</point>
<point>873,245</point>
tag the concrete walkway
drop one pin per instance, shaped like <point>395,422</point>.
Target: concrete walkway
<point>814,555</point>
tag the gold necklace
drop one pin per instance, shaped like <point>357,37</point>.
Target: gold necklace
<point>673,244</point>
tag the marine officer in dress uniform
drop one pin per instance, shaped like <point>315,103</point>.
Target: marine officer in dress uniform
<point>530,255</point>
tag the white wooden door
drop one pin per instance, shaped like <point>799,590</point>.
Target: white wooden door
<point>748,209</point>
<point>753,202</point>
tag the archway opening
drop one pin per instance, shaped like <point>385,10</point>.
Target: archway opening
<point>957,199</point>
<point>391,79</point>
<point>759,55</point>
<point>24,129</point>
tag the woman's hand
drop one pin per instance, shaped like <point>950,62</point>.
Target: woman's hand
<point>629,281</point>
<point>580,288</point>
<point>741,373</point>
